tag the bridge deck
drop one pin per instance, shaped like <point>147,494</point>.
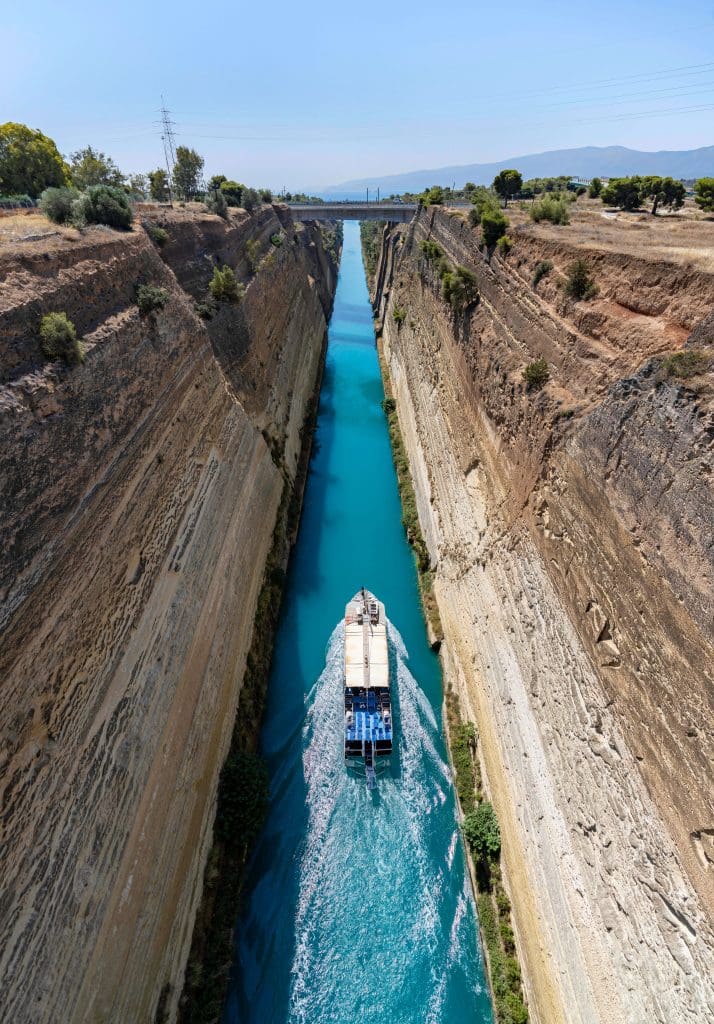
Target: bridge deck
<point>353,211</point>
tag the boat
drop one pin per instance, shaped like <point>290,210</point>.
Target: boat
<point>368,704</point>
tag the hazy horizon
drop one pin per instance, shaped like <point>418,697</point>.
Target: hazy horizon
<point>338,95</point>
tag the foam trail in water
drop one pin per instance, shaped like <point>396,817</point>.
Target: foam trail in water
<point>373,923</point>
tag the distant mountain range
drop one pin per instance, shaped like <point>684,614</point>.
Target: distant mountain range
<point>586,162</point>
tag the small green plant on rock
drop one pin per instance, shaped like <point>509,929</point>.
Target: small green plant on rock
<point>150,298</point>
<point>579,284</point>
<point>159,236</point>
<point>431,250</point>
<point>458,287</point>
<point>252,254</point>
<point>542,269</point>
<point>686,363</point>
<point>276,239</point>
<point>399,315</point>
<point>216,203</point>
<point>224,287</point>
<point>59,338</point>
<point>536,374</point>
<point>505,244</point>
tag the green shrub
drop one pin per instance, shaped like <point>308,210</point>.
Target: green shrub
<point>686,363</point>
<point>507,938</point>
<point>157,235</point>
<point>389,405</point>
<point>463,742</point>
<point>595,188</point>
<point>276,239</point>
<point>224,287</point>
<point>103,204</point>
<point>579,284</point>
<point>493,226</point>
<point>502,902</point>
<point>399,315</point>
<point>551,207</point>
<point>252,253</point>
<point>624,193</point>
<point>536,374</point>
<point>59,338</point>
<point>149,298</point>
<point>431,250</point>
<point>542,268</point>
<point>458,287</point>
<point>474,217</point>
<point>266,195</point>
<point>704,194</point>
<point>216,203</point>
<point>482,833</point>
<point>206,310</point>
<point>433,196</point>
<point>505,244</point>
<point>57,204</point>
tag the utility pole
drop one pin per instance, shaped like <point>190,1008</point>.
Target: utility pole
<point>368,196</point>
<point>167,137</point>
<point>377,193</point>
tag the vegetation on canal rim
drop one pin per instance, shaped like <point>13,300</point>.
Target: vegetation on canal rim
<point>59,340</point>
<point>482,835</point>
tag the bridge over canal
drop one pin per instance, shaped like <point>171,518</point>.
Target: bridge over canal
<point>353,211</point>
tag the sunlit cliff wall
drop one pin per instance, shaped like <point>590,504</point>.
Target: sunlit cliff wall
<point>571,529</point>
<point>138,495</point>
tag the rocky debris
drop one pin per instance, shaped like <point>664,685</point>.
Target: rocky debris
<point>571,528</point>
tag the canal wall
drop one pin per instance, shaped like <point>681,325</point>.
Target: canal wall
<point>561,526</point>
<point>139,495</point>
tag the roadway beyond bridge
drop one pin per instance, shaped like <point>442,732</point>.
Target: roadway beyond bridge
<point>353,211</point>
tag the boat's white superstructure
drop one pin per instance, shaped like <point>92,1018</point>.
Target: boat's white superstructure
<point>368,708</point>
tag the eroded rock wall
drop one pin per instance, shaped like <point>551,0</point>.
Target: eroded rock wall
<point>572,533</point>
<point>138,493</point>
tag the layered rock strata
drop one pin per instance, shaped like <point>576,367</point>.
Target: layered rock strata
<point>571,530</point>
<point>138,495</point>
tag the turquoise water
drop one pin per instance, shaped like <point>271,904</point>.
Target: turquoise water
<point>358,909</point>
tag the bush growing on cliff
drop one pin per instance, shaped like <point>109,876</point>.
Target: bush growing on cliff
<point>505,244</point>
<point>482,833</point>
<point>57,204</point>
<point>431,250</point>
<point>579,284</point>
<point>150,298</point>
<point>458,288</point>
<point>536,374</point>
<point>684,364</point>
<point>103,204</point>
<point>158,235</point>
<point>493,226</point>
<point>399,315</point>
<point>552,207</point>
<point>224,287</point>
<point>542,268</point>
<point>252,253</point>
<point>250,200</point>
<point>59,338</point>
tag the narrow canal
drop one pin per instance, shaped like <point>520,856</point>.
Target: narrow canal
<point>358,908</point>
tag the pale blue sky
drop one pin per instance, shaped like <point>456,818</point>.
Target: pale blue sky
<point>313,94</point>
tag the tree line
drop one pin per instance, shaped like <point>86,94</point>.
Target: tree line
<point>628,193</point>
<point>30,163</point>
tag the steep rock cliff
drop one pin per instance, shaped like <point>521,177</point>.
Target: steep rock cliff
<point>571,530</point>
<point>138,494</point>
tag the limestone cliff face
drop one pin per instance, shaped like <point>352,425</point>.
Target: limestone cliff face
<point>572,533</point>
<point>138,495</point>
